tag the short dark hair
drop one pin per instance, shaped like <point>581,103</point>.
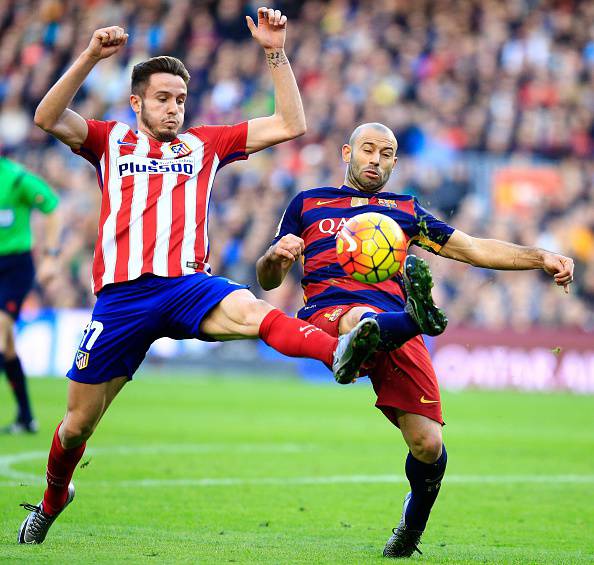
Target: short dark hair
<point>142,72</point>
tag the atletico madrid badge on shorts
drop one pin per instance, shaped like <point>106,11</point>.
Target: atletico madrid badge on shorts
<point>82,359</point>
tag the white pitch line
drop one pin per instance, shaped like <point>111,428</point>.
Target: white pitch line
<point>25,479</point>
<point>7,461</point>
<point>329,480</point>
<point>345,479</point>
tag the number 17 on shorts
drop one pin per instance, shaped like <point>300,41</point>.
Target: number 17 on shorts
<point>90,336</point>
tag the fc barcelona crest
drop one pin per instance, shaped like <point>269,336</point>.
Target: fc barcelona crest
<point>81,360</point>
<point>387,203</point>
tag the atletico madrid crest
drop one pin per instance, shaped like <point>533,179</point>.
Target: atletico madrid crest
<point>180,149</point>
<point>82,359</point>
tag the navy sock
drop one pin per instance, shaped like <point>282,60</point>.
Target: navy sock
<point>425,480</point>
<point>395,328</point>
<point>16,378</point>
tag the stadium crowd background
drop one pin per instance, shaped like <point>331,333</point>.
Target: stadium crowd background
<point>469,87</point>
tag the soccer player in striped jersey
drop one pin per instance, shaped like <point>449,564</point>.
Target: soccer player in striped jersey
<point>150,270</point>
<point>403,377</point>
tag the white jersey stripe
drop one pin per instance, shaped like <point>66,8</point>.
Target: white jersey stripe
<point>188,254</point>
<point>137,209</point>
<point>164,220</point>
<point>96,259</point>
<point>102,167</point>
<point>114,188</point>
<point>213,172</point>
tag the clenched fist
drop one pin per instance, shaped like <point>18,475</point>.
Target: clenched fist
<point>287,249</point>
<point>106,41</point>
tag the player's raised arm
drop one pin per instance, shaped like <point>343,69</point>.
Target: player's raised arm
<point>502,255</point>
<point>288,120</point>
<point>53,114</point>
<point>273,266</point>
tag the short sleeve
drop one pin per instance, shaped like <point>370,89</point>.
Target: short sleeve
<point>95,145</point>
<point>229,141</point>
<point>432,234</point>
<point>291,219</point>
<point>37,193</point>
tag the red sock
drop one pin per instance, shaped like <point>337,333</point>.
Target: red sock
<point>296,338</point>
<point>60,467</point>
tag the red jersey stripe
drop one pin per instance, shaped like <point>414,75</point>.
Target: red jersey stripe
<point>123,216</point>
<point>112,190</point>
<point>149,219</point>
<point>351,285</point>
<point>322,259</point>
<point>176,236</point>
<point>317,203</point>
<point>204,187</point>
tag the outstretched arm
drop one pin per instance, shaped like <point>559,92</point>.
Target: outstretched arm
<point>273,266</point>
<point>53,114</point>
<point>288,120</point>
<point>501,255</point>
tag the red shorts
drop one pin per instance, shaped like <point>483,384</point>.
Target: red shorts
<point>403,378</point>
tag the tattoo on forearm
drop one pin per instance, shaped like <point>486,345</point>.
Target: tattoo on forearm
<point>276,59</point>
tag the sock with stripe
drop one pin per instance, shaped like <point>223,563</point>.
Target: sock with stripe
<point>61,464</point>
<point>18,383</point>
<point>396,328</point>
<point>425,480</point>
<point>296,338</point>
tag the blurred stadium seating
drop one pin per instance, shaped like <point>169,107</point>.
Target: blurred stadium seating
<point>492,103</point>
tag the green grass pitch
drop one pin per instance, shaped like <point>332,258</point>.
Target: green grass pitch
<point>254,470</point>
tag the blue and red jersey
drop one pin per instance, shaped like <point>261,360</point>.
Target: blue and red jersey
<point>317,215</point>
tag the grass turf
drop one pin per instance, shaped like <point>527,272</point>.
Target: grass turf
<point>221,470</point>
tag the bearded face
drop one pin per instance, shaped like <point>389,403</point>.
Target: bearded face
<point>371,157</point>
<point>161,107</point>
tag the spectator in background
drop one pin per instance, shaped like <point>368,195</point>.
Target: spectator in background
<point>469,88</point>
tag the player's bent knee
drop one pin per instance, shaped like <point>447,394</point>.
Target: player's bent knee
<point>6,321</point>
<point>426,447</point>
<point>240,314</point>
<point>75,431</point>
<point>5,330</point>
<point>255,311</point>
<point>10,352</point>
<point>352,318</point>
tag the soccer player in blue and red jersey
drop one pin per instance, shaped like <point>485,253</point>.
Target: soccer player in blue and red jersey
<point>150,270</point>
<point>403,377</point>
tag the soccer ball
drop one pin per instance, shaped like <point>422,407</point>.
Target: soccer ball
<point>371,247</point>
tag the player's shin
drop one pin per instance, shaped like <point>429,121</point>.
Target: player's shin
<point>425,481</point>
<point>60,468</point>
<point>296,338</point>
<point>396,328</point>
<point>16,377</point>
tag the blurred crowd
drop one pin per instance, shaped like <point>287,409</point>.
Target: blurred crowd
<point>473,89</point>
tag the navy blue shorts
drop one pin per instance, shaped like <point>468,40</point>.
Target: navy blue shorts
<point>128,317</point>
<point>16,280</point>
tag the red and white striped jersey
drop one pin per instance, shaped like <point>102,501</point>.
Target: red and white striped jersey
<point>154,209</point>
